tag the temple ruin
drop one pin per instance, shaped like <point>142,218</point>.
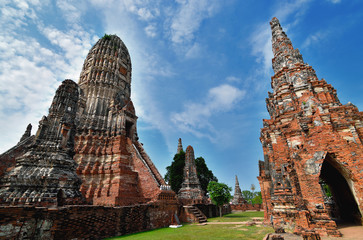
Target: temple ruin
<point>85,168</point>
<point>311,174</point>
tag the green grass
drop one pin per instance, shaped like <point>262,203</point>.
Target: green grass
<point>237,217</point>
<point>215,231</point>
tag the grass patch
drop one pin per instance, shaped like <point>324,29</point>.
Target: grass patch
<point>219,231</point>
<point>237,217</point>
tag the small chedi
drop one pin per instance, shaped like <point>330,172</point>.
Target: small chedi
<point>313,159</point>
<point>237,197</point>
<point>191,191</point>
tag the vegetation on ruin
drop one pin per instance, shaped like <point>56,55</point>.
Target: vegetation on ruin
<point>212,231</point>
<point>175,172</point>
<point>219,194</point>
<point>106,37</point>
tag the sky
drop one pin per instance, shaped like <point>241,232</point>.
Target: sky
<point>201,69</point>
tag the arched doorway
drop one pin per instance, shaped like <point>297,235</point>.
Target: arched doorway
<point>339,199</point>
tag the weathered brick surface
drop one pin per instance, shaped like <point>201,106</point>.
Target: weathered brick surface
<point>82,222</point>
<point>246,207</point>
<point>311,138</point>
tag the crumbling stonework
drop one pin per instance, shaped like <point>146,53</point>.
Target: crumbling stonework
<point>191,191</point>
<point>46,174</point>
<point>311,141</point>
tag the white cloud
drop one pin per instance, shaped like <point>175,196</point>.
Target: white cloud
<point>71,12</point>
<point>150,30</point>
<point>334,1</point>
<point>314,38</point>
<point>188,18</point>
<point>194,51</point>
<point>196,116</point>
<point>14,14</point>
<point>262,49</point>
<point>233,79</point>
<point>31,72</point>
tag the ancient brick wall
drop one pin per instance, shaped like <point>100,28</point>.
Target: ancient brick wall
<point>246,207</point>
<point>82,222</point>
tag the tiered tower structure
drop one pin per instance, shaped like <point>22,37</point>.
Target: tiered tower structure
<point>312,144</point>
<point>237,197</point>
<point>45,175</point>
<point>113,166</point>
<point>95,123</point>
<point>191,191</point>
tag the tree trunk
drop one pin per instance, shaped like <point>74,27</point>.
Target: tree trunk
<point>220,211</point>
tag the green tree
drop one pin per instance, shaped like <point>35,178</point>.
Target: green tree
<point>247,195</point>
<point>174,172</point>
<point>204,174</point>
<point>219,194</point>
<point>257,199</point>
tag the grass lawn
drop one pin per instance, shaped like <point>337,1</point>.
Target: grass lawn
<point>237,217</point>
<point>219,231</point>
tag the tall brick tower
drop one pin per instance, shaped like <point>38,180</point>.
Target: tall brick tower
<point>113,166</point>
<point>313,159</point>
<point>191,191</point>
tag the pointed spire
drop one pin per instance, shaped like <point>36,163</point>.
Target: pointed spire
<point>284,53</point>
<point>180,146</point>
<point>237,197</point>
<point>191,190</point>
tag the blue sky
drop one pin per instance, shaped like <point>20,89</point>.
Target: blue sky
<point>201,69</point>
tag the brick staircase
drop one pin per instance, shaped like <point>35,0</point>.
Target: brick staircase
<point>199,216</point>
